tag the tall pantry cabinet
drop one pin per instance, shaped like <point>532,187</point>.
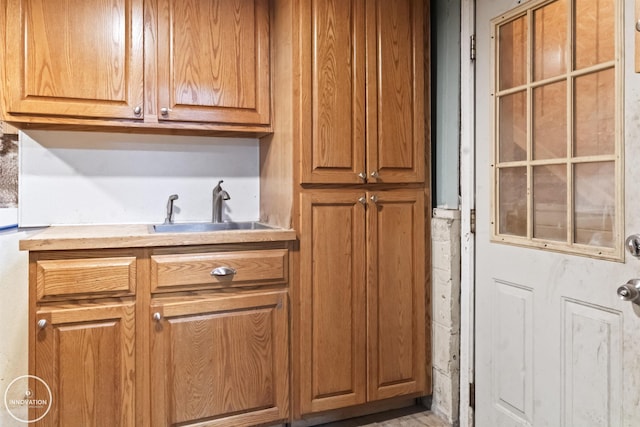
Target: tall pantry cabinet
<point>352,81</point>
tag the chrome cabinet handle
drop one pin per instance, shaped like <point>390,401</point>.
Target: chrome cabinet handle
<point>137,110</point>
<point>374,198</point>
<point>223,271</point>
<point>375,174</point>
<point>157,316</point>
<point>164,111</point>
<point>42,323</point>
<point>362,176</point>
<point>633,245</point>
<point>363,200</point>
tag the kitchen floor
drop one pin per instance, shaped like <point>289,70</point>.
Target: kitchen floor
<point>408,417</point>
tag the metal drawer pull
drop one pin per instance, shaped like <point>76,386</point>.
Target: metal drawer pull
<point>157,316</point>
<point>42,323</point>
<point>223,271</point>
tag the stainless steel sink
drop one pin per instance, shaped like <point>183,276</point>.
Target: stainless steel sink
<point>196,227</point>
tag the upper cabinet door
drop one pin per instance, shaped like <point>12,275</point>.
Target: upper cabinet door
<point>213,61</point>
<point>333,44</point>
<point>396,127</point>
<point>79,58</point>
<point>363,74</point>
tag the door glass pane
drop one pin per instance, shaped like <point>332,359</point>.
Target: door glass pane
<point>594,37</point>
<point>550,121</point>
<point>550,202</point>
<point>513,127</point>
<point>550,40</point>
<point>513,201</point>
<point>594,130</point>
<point>594,203</point>
<point>513,53</point>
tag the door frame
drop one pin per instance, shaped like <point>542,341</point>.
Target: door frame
<point>467,208</point>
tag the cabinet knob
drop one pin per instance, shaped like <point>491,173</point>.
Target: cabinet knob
<point>42,323</point>
<point>223,271</point>
<point>363,200</point>
<point>374,198</point>
<point>362,176</point>
<point>157,316</point>
<point>375,174</point>
<point>164,111</point>
<point>137,111</point>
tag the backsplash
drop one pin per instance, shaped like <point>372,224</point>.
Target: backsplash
<point>111,178</point>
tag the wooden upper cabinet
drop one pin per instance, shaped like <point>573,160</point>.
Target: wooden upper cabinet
<point>74,58</point>
<point>213,61</point>
<point>366,86</point>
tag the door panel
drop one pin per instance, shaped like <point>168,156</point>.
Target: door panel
<point>213,61</point>
<point>80,58</point>
<point>395,91</point>
<point>395,293</point>
<point>220,359</point>
<point>332,294</point>
<point>86,356</point>
<point>555,346</point>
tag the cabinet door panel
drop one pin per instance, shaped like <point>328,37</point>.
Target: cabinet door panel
<point>213,61</point>
<point>334,46</point>
<point>80,58</point>
<point>222,360</point>
<point>396,295</point>
<point>332,286</point>
<point>86,356</point>
<point>395,110</point>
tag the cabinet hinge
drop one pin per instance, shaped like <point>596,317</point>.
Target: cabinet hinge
<point>472,396</point>
<point>472,221</point>
<point>472,44</point>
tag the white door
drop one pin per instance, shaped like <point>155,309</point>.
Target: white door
<point>555,345</point>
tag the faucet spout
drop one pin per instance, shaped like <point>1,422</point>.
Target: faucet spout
<point>169,217</point>
<point>219,195</point>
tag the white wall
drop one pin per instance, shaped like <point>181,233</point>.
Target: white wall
<point>106,178</point>
<point>14,308</point>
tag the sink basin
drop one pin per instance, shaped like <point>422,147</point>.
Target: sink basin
<point>195,227</point>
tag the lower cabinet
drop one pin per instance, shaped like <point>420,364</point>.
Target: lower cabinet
<point>85,353</point>
<point>362,297</point>
<point>220,359</point>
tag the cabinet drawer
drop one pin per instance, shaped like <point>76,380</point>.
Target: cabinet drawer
<point>218,270</point>
<point>68,277</point>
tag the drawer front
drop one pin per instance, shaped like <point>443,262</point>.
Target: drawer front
<point>83,277</point>
<point>218,270</point>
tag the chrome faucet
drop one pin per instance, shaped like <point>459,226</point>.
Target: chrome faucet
<point>218,196</point>
<point>169,218</point>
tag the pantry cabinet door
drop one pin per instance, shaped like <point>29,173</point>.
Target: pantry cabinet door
<point>79,58</point>
<point>213,61</point>
<point>396,126</point>
<point>396,293</point>
<point>332,300</point>
<point>333,38</point>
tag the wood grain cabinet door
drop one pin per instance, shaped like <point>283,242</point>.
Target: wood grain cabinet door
<point>332,300</point>
<point>220,360</point>
<point>396,326</point>
<point>396,127</point>
<point>86,355</point>
<point>213,61</point>
<point>79,58</point>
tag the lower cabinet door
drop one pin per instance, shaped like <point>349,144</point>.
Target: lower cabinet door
<point>220,360</point>
<point>86,356</point>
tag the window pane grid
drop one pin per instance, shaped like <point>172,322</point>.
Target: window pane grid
<point>561,170</point>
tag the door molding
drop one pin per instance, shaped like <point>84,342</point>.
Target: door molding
<point>467,189</point>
